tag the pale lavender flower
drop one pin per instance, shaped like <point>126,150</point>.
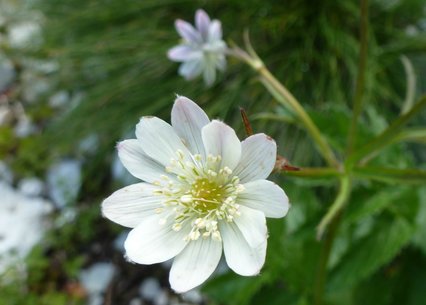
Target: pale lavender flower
<point>202,50</point>
<point>204,192</point>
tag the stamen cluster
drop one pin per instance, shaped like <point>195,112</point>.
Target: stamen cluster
<point>203,193</point>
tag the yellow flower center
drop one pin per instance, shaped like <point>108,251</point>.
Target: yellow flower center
<point>203,194</point>
<point>207,195</point>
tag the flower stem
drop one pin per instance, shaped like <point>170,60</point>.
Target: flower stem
<point>310,126</point>
<point>391,175</point>
<point>321,274</point>
<point>360,81</point>
<point>285,98</point>
<point>332,220</point>
<point>289,101</point>
<point>314,172</point>
<point>338,204</point>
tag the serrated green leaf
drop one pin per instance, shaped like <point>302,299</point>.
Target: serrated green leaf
<point>368,254</point>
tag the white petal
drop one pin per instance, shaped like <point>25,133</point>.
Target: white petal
<point>209,72</point>
<point>137,162</point>
<point>265,196</point>
<point>191,69</point>
<point>187,31</point>
<point>240,257</point>
<point>159,140</point>
<point>220,139</point>
<point>129,206</point>
<point>183,53</point>
<point>188,119</point>
<point>215,31</point>
<point>202,22</point>
<point>195,264</point>
<point>151,243</point>
<point>221,62</point>
<point>258,156</point>
<point>252,224</point>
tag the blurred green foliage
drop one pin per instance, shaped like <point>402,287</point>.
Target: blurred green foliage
<point>114,53</point>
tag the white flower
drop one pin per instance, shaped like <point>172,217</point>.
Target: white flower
<point>204,190</point>
<point>202,50</point>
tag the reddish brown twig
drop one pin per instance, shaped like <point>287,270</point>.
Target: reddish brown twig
<point>246,122</point>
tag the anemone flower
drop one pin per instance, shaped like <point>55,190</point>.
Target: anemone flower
<point>202,49</point>
<point>204,192</point>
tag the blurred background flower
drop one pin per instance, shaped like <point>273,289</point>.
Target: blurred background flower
<point>202,50</point>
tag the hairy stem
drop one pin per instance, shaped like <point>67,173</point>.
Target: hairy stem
<point>314,172</point>
<point>321,275</point>
<point>289,101</point>
<point>285,98</point>
<point>332,221</point>
<point>338,204</point>
<point>360,81</point>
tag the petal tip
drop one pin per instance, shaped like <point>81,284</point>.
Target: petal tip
<point>200,11</point>
<point>181,100</point>
<point>179,23</point>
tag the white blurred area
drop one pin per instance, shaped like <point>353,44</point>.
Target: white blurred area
<point>24,220</point>
<point>24,211</point>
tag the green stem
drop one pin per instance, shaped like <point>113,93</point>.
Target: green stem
<point>391,175</point>
<point>314,172</point>
<point>285,98</point>
<point>288,100</point>
<point>387,136</point>
<point>321,275</point>
<point>411,84</point>
<point>360,81</point>
<point>338,204</point>
<point>414,135</point>
<point>332,220</point>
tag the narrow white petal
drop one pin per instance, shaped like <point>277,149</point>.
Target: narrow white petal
<point>215,31</point>
<point>252,224</point>
<point>187,31</point>
<point>220,62</point>
<point>202,23</point>
<point>240,257</point>
<point>258,156</point>
<point>191,69</point>
<point>220,139</point>
<point>159,140</point>
<point>151,242</point>
<point>195,264</point>
<point>129,206</point>
<point>188,119</point>
<point>183,53</point>
<point>137,162</point>
<point>209,72</point>
<point>265,196</point>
